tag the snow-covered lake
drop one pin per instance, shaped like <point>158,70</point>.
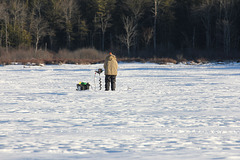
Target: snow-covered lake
<point>157,112</point>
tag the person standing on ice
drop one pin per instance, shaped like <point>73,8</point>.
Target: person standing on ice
<point>110,68</point>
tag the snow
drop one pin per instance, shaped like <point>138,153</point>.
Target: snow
<point>157,112</point>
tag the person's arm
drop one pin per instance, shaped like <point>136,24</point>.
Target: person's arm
<point>104,65</point>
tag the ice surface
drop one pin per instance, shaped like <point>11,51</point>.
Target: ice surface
<point>157,112</point>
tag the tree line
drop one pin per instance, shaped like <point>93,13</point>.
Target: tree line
<point>130,28</point>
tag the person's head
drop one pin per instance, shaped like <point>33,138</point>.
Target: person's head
<point>110,53</point>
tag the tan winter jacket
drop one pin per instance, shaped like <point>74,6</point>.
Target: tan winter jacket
<point>111,65</point>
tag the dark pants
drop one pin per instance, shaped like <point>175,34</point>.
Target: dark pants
<point>110,79</point>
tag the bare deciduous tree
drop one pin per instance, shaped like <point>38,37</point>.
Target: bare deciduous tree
<point>18,12</point>
<point>104,24</point>
<point>37,4</point>
<point>38,26</point>
<point>205,11</point>
<point>39,29</point>
<point>54,20</point>
<point>155,13</point>
<point>147,35</point>
<point>226,18</point>
<point>103,16</point>
<point>136,8</point>
<point>5,17</point>
<point>159,5</point>
<point>130,33</point>
<point>69,9</point>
